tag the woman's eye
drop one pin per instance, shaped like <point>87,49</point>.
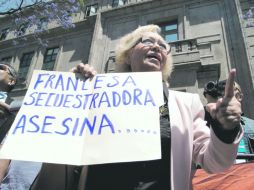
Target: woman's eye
<point>148,41</point>
<point>163,46</point>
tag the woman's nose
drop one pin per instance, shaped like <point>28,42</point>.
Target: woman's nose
<point>156,47</point>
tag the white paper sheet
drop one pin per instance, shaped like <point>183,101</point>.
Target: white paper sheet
<point>68,120</point>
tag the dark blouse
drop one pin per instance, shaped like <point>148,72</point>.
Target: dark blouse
<point>144,175</point>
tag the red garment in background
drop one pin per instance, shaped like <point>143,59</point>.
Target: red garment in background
<point>238,177</point>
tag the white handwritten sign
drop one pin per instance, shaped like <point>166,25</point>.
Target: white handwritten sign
<point>66,119</point>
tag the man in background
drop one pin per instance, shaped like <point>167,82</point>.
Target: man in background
<point>14,174</point>
<point>215,90</point>
<point>8,79</point>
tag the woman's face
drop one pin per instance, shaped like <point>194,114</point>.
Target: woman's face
<point>150,53</point>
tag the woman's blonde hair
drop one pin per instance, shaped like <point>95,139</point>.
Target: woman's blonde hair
<point>129,41</point>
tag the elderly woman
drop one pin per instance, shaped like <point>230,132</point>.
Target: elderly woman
<point>185,139</point>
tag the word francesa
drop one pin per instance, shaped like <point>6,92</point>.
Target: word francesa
<point>103,92</point>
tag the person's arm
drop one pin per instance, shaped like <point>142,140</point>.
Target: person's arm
<point>4,114</point>
<point>4,164</point>
<point>227,110</point>
<point>209,151</point>
<point>4,110</point>
<point>217,150</point>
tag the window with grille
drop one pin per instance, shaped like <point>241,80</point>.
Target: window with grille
<point>6,59</point>
<point>91,9</point>
<point>25,63</point>
<point>4,34</point>
<point>117,3</point>
<point>50,58</point>
<point>169,30</point>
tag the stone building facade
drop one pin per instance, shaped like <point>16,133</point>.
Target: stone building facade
<point>208,38</point>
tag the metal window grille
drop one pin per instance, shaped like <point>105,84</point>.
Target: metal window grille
<point>6,59</point>
<point>24,65</point>
<point>4,34</point>
<point>169,30</point>
<point>50,59</point>
<point>91,9</point>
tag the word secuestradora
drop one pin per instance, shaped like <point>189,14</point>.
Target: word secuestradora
<point>110,97</point>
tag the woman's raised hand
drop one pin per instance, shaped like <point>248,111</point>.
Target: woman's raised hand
<point>227,110</point>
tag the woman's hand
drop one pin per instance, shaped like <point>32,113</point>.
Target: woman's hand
<point>227,110</point>
<point>86,70</point>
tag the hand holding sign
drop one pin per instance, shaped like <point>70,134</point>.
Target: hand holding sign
<point>227,110</point>
<point>86,70</point>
